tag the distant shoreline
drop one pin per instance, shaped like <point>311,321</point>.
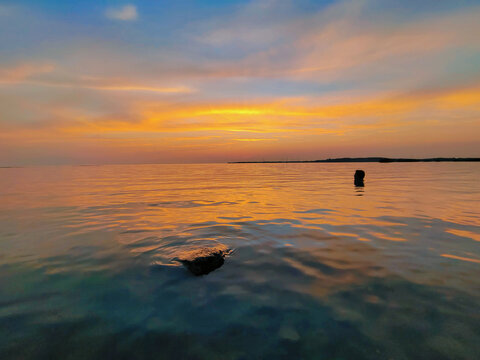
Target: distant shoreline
<point>360,160</point>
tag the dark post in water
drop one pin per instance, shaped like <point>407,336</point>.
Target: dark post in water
<point>359,176</point>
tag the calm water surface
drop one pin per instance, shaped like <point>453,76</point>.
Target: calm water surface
<point>321,269</point>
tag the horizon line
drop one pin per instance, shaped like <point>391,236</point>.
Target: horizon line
<point>326,160</point>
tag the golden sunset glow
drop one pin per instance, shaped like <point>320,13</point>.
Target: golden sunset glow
<point>303,86</point>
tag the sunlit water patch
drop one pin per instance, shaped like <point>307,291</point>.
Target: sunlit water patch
<point>321,269</point>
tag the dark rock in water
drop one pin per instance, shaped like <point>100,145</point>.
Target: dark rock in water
<point>204,260</point>
<point>359,176</point>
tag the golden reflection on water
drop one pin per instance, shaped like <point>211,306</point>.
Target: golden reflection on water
<point>461,258</point>
<point>464,234</point>
<point>85,249</point>
<point>312,208</point>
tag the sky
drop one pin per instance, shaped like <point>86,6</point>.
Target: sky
<point>157,81</point>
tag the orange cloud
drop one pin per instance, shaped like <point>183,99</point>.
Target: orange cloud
<point>277,80</point>
<point>278,118</point>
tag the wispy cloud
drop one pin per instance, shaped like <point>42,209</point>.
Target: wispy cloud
<point>124,13</point>
<point>119,87</point>
<point>44,75</point>
<point>255,139</point>
<point>266,77</point>
<point>21,72</point>
<point>341,43</point>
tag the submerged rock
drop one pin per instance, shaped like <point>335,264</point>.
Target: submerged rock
<point>359,176</point>
<point>288,333</point>
<point>203,261</point>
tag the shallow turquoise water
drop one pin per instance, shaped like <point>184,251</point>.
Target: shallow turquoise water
<point>321,269</point>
